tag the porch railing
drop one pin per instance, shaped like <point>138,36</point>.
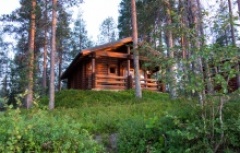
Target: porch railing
<point>110,82</point>
<point>121,83</point>
<point>149,84</point>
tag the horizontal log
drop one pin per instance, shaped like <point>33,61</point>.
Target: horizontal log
<point>150,84</point>
<point>112,54</point>
<point>149,80</point>
<point>109,77</point>
<point>110,82</point>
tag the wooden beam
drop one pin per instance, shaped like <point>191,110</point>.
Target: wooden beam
<point>93,72</point>
<point>112,54</point>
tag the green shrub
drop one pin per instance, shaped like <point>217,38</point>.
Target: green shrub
<point>186,127</point>
<point>134,137</point>
<point>159,133</point>
<point>39,131</point>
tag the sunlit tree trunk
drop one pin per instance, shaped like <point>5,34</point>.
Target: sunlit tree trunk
<point>53,51</point>
<point>138,90</point>
<point>31,44</point>
<point>173,64</point>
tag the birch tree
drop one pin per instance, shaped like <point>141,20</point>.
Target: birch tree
<point>170,44</point>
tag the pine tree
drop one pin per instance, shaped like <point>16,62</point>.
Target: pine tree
<point>107,31</point>
<point>79,37</point>
<point>53,51</point>
<point>138,90</point>
<point>31,43</point>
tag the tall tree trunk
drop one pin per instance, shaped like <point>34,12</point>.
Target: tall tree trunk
<point>53,51</point>
<point>198,66</point>
<point>233,39</point>
<point>207,72</point>
<point>44,75</point>
<point>184,42</point>
<point>31,44</point>
<point>173,65</point>
<point>138,90</point>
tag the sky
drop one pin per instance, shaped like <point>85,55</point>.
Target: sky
<point>94,12</point>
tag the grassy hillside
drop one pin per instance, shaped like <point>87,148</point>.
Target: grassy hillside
<point>105,111</point>
<point>153,124</point>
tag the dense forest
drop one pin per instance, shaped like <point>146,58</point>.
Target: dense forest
<point>196,50</point>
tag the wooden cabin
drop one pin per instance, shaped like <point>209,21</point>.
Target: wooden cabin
<point>108,67</point>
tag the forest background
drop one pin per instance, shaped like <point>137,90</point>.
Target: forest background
<point>196,46</point>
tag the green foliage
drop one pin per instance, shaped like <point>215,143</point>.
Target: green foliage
<point>40,131</point>
<point>153,124</point>
<point>185,127</point>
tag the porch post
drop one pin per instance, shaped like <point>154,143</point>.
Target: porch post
<point>145,79</point>
<point>93,71</point>
<point>128,61</point>
<point>129,77</point>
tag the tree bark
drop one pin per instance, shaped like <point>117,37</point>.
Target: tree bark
<point>138,90</point>
<point>198,66</point>
<point>31,44</point>
<point>184,43</point>
<point>53,51</point>
<point>173,65</point>
<point>44,81</point>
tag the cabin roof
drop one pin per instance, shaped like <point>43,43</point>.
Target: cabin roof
<point>85,52</point>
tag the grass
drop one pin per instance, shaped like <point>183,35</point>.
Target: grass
<point>106,111</point>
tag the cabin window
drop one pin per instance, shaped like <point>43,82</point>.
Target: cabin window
<point>112,70</point>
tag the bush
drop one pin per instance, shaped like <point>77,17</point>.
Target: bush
<point>187,127</point>
<point>39,131</point>
<point>134,137</point>
<point>157,134</point>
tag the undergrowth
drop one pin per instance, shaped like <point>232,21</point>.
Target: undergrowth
<point>154,124</point>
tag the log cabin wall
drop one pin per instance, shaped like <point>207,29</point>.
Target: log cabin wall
<point>104,64</point>
<point>101,65</point>
<point>83,77</point>
<point>88,76</point>
<point>69,82</point>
